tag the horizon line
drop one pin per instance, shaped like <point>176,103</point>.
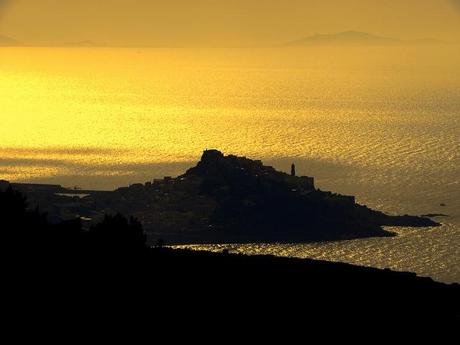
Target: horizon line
<point>93,44</point>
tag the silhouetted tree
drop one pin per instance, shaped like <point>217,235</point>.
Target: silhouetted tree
<point>29,231</point>
<point>19,226</point>
<point>12,203</point>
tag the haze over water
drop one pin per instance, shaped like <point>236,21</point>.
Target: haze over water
<point>381,123</point>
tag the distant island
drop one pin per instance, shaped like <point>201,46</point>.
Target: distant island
<point>8,42</point>
<point>345,38</point>
<point>79,44</point>
<point>356,38</point>
<point>224,199</point>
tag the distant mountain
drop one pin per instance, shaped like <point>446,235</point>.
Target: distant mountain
<point>7,41</point>
<point>344,38</point>
<point>429,41</point>
<point>80,44</point>
<point>356,38</point>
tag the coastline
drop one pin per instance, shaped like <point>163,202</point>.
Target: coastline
<point>226,199</point>
<point>115,250</point>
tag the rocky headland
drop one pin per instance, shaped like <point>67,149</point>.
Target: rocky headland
<point>226,199</point>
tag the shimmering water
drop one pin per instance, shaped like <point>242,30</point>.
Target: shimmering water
<point>380,123</point>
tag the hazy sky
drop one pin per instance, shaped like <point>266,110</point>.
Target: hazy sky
<point>225,22</point>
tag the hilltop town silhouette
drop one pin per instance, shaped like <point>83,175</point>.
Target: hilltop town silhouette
<point>224,199</point>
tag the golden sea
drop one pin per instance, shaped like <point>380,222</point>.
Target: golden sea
<point>381,123</point>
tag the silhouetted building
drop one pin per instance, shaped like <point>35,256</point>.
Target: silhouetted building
<point>212,155</point>
<point>137,187</point>
<point>307,183</point>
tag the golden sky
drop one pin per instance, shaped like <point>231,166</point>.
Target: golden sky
<point>222,22</point>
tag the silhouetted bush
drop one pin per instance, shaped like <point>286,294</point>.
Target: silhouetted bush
<point>118,233</point>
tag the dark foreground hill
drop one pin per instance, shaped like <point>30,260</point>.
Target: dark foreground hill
<point>63,269</point>
<point>226,199</point>
<point>228,284</point>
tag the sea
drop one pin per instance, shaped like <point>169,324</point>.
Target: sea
<point>380,123</point>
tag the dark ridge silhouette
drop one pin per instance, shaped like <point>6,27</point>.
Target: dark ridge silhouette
<point>109,263</point>
<point>226,199</point>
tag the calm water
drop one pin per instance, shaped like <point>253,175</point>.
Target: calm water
<point>382,124</point>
